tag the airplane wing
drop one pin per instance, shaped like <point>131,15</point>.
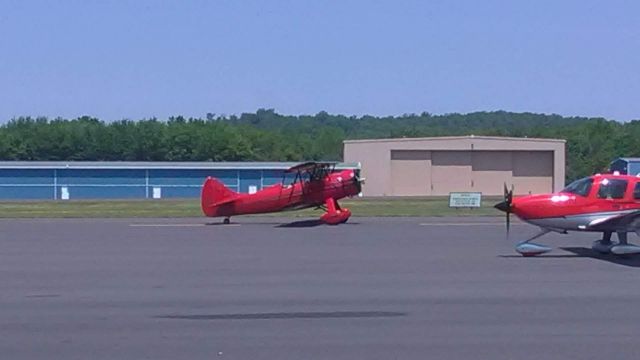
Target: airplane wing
<point>623,221</point>
<point>310,166</point>
<point>313,170</point>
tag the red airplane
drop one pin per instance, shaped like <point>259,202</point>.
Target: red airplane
<point>316,184</point>
<point>605,203</point>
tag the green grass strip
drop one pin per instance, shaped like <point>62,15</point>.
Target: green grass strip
<point>432,206</point>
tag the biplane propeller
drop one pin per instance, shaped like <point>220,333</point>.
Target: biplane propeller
<point>316,184</point>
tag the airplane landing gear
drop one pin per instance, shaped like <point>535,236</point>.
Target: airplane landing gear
<point>527,248</point>
<point>623,247</point>
<point>335,215</point>
<point>604,245</point>
<point>226,221</point>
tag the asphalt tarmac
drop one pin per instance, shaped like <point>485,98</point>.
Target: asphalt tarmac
<point>390,288</point>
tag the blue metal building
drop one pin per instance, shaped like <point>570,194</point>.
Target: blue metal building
<point>131,180</point>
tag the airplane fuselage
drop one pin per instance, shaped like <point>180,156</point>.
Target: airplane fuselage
<point>600,203</point>
<point>602,197</point>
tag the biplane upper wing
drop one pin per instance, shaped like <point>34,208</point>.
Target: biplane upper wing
<point>310,166</point>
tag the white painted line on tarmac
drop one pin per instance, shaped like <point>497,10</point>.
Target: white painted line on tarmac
<point>182,225</point>
<point>165,225</point>
<point>466,224</point>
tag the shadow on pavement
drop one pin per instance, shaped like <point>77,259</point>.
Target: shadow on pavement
<point>625,260</point>
<point>310,223</point>
<point>301,224</point>
<point>584,252</point>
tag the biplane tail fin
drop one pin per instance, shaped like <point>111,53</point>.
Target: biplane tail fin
<point>214,194</point>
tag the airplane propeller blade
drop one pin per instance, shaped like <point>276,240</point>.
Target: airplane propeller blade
<point>359,181</point>
<point>506,206</point>
<point>508,221</point>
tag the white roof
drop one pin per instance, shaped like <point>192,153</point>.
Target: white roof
<point>155,165</point>
<point>466,137</point>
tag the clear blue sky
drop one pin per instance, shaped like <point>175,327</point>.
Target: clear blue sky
<point>138,59</point>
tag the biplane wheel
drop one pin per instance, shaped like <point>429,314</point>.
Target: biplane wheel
<point>226,221</point>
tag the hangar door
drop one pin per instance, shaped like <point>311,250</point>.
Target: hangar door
<point>491,170</point>
<point>450,172</point>
<point>410,172</point>
<point>488,171</point>
<point>532,172</point>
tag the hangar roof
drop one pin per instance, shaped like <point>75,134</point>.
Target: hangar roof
<point>155,165</point>
<point>453,138</point>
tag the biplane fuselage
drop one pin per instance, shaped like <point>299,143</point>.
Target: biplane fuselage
<point>320,189</point>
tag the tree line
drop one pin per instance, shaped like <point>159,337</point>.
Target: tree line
<point>268,136</point>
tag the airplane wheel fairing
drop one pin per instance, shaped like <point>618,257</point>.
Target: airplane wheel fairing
<point>625,249</point>
<point>346,214</point>
<point>331,219</point>
<point>602,247</point>
<point>335,218</point>
<point>531,249</point>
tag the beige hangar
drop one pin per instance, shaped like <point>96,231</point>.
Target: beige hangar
<point>440,165</point>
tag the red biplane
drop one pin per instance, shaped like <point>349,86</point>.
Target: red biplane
<point>316,184</point>
<point>605,203</point>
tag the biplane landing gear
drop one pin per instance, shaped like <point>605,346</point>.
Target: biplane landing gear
<point>335,214</point>
<point>226,221</point>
